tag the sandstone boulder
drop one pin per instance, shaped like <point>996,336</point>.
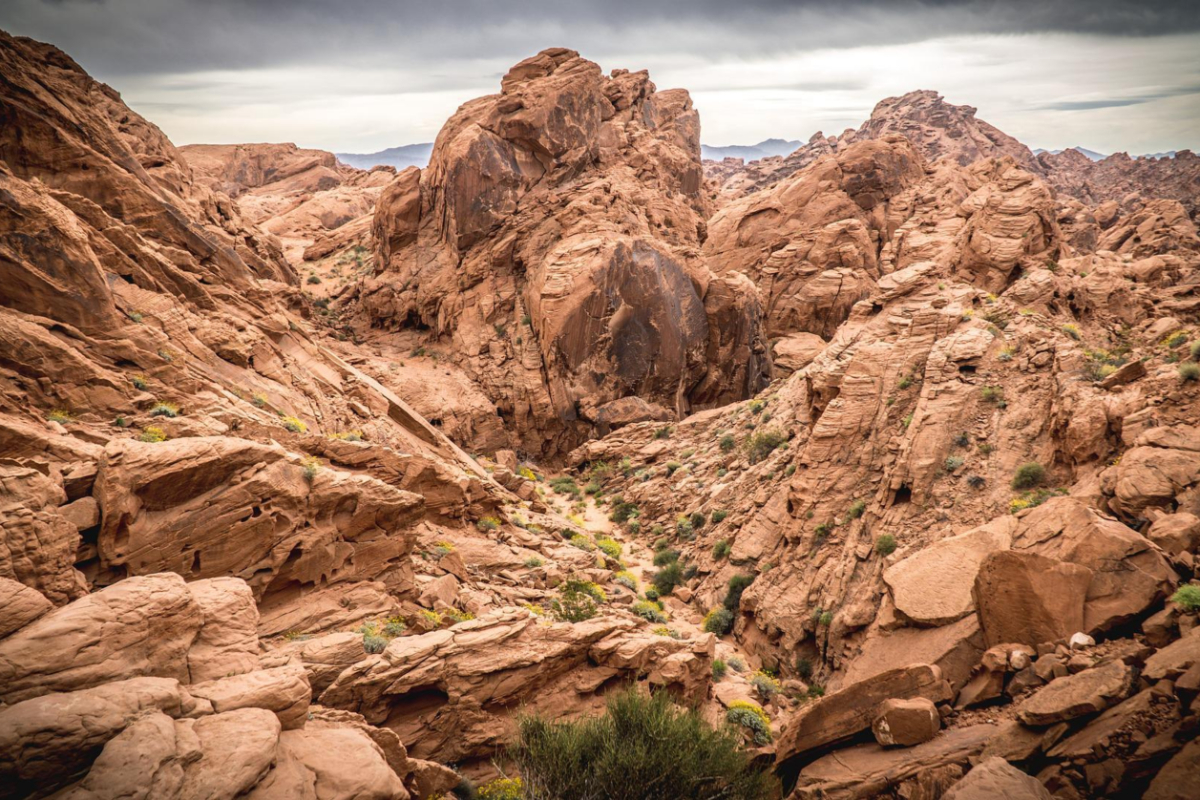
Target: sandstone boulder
<point>1028,598</point>
<point>283,690</point>
<point>1084,693</point>
<point>21,604</point>
<point>906,722</point>
<point>329,763</point>
<point>994,778</point>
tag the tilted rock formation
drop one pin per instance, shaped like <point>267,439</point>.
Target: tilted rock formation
<point>553,241</point>
<point>1119,179</point>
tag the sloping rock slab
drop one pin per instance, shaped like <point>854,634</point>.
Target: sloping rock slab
<point>1029,599</point>
<point>995,778</point>
<point>1087,692</point>
<point>840,715</point>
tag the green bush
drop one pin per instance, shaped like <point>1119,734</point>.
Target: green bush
<point>737,585</point>
<point>762,443</point>
<point>804,668</point>
<point>721,549</point>
<point>501,789</point>
<point>719,516</point>
<point>664,557</point>
<point>751,717</point>
<point>165,410</point>
<point>1196,350</point>
<point>639,749</point>
<point>623,511</point>
<point>727,443</point>
<point>610,547</point>
<point>885,545</point>
<point>626,579</point>
<point>719,669</point>
<point>574,603</point>
<point>736,664</point>
<point>684,528</point>
<point>667,578</point>
<point>953,462</point>
<point>488,524</point>
<point>374,644</point>
<point>1187,597</point>
<point>766,685</point>
<point>1189,372</point>
<point>533,562</point>
<point>856,509</point>
<point>648,611</point>
<point>1029,475</point>
<point>663,433</point>
<point>718,621</point>
<point>697,519</point>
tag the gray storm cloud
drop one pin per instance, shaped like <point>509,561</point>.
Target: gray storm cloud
<point>238,70</point>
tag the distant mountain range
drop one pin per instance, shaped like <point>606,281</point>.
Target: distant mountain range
<point>1094,156</point>
<point>408,155</point>
<point>750,152</point>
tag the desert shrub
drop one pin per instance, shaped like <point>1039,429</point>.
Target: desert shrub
<point>565,485</point>
<point>976,481</point>
<point>822,531</point>
<point>648,611</point>
<point>667,578</point>
<point>1029,475</point>
<point>992,394</point>
<point>1033,499</point>
<point>804,668</point>
<point>664,557</point>
<point>626,579</point>
<point>373,644</point>
<point>121,422</point>
<point>294,425</point>
<point>312,466</point>
<point>816,691</point>
<point>952,463</point>
<point>697,519</point>
<point>1176,339</point>
<point>1187,597</point>
<point>671,467</point>
<point>609,546</point>
<point>751,717</point>
<point>721,549</point>
<point>762,443</point>
<point>727,443</point>
<point>641,748</point>
<point>1189,372</point>
<point>664,432</point>
<point>313,278</point>
<point>885,545</point>
<point>394,627</point>
<point>652,594</point>
<point>826,619</point>
<point>135,316</point>
<point>575,602</point>
<point>533,562</point>
<point>453,615</point>
<point>757,405</point>
<point>663,630</point>
<point>736,664</point>
<point>488,524</point>
<point>736,586</point>
<point>501,789</point>
<point>719,669</point>
<point>623,511</point>
<point>60,416</point>
<point>1071,330</point>
<point>719,516</point>
<point>348,436</point>
<point>582,542</point>
<point>593,488</point>
<point>718,621</point>
<point>856,509</point>
<point>153,434</point>
<point>684,528</point>
<point>139,382</point>
<point>766,685</point>
<point>169,410</point>
<point>1196,350</point>
<point>260,399</point>
<point>905,382</point>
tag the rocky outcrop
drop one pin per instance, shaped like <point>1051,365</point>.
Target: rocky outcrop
<point>523,244</point>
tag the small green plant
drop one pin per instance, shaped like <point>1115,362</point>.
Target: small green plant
<point>962,440</point>
<point>169,410</point>
<point>737,664</point>
<point>488,524</point>
<point>765,685</point>
<point>697,519</point>
<point>153,434</point>
<point>727,443</point>
<point>121,422</point>
<point>626,579</point>
<point>313,279</point>
<point>374,644</point>
<point>533,562</point>
<point>885,545</point>
<point>648,611</point>
<point>1187,597</point>
<point>135,316</point>
<point>735,588</point>
<point>294,424</point>
<point>610,547</point>
<point>260,399</point>
<point>905,382</point>
<point>856,509</point>
<point>750,716</point>
<point>642,747</point>
<point>1189,372</point>
<point>952,463</point>
<point>1176,340</point>
<point>762,443</point>
<point>671,467</point>
<point>992,394</point>
<point>61,416</point>
<point>719,516</point>
<point>719,669</point>
<point>826,619</point>
<point>1071,330</point>
<point>664,432</point>
<point>907,420</point>
<point>664,557</point>
<point>718,621</point>
<point>139,382</point>
<point>684,528</point>
<point>581,542</point>
<point>574,603</point>
<point>1029,475</point>
<point>667,578</point>
<point>623,511</point>
<point>1195,350</point>
<point>804,668</point>
<point>312,465</point>
<point>721,549</point>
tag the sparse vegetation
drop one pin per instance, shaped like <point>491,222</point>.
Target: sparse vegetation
<point>721,549</point>
<point>992,394</point>
<point>609,546</point>
<point>671,467</point>
<point>648,611</point>
<point>575,602</point>
<point>640,748</point>
<point>139,382</point>
<point>312,465</point>
<point>856,509</point>
<point>1189,372</point>
<point>885,545</point>
<point>952,463</point>
<point>750,716</point>
<point>667,578</point>
<point>736,587</point>
<point>533,562</point>
<point>765,685</point>
<point>762,443</point>
<point>1029,475</point>
<point>60,416</point>
<point>153,434</point>
<point>502,789</point>
<point>488,524</point>
<point>169,410</point>
<point>719,516</point>
<point>664,432</point>
<point>1187,597</point>
<point>719,669</point>
<point>718,621</point>
<point>294,424</point>
<point>727,443</point>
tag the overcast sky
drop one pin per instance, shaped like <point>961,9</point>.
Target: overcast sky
<point>362,75</point>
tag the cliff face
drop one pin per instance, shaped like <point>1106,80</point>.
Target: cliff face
<point>553,240</point>
<point>918,432</point>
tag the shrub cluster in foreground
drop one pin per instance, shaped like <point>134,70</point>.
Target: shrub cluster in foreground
<point>641,748</point>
